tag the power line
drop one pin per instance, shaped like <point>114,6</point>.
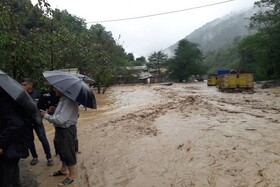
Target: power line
<point>159,14</point>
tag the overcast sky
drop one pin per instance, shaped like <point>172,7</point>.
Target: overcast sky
<point>146,35</point>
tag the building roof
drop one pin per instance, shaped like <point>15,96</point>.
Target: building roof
<point>145,75</point>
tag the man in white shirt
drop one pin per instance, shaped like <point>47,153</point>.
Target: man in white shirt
<point>65,120</point>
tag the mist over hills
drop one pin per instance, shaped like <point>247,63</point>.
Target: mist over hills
<point>220,32</point>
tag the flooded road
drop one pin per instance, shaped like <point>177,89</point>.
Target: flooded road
<point>179,135</point>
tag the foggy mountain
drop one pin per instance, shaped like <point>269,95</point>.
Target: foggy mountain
<point>219,33</point>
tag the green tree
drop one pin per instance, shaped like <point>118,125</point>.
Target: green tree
<point>37,38</point>
<point>262,49</point>
<point>130,57</point>
<point>253,56</point>
<point>157,60</point>
<point>186,62</point>
<point>22,37</point>
<point>67,35</point>
<point>140,61</point>
<point>105,55</point>
<point>14,46</point>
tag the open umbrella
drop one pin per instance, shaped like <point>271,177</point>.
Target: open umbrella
<point>16,91</point>
<point>85,78</point>
<point>72,87</point>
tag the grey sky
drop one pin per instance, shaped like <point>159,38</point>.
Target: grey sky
<point>144,36</point>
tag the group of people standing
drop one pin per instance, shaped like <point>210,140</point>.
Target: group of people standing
<point>17,134</point>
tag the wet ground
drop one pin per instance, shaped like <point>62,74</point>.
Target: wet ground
<point>179,135</point>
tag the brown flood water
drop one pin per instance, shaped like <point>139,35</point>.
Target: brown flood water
<point>179,135</point>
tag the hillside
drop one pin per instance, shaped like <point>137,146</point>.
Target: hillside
<point>220,32</point>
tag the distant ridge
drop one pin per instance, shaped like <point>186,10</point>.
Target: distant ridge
<point>220,32</point>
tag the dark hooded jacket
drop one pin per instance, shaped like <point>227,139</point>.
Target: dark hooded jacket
<point>13,129</point>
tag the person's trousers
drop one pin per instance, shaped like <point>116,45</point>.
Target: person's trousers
<point>56,143</point>
<point>40,131</point>
<point>66,144</point>
<point>9,173</point>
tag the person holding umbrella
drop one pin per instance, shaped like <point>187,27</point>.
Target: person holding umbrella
<point>12,139</point>
<point>72,91</point>
<point>17,109</point>
<point>65,120</point>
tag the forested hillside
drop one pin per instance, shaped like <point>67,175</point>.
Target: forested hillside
<point>248,41</point>
<point>221,32</point>
<point>219,40</point>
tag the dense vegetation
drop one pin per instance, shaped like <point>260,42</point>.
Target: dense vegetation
<point>186,62</point>
<point>157,60</point>
<point>37,38</point>
<point>258,53</point>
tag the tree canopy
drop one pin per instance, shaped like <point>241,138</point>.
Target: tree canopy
<point>37,38</point>
<point>157,60</point>
<point>260,52</point>
<point>186,62</point>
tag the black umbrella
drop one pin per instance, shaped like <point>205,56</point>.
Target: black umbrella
<point>85,78</point>
<point>16,91</point>
<point>72,87</point>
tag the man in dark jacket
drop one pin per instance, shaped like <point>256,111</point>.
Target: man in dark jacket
<point>13,144</point>
<point>39,129</point>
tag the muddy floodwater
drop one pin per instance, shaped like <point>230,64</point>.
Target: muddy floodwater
<point>168,136</point>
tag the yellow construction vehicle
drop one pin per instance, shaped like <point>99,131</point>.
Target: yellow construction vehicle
<point>234,80</point>
<point>212,80</point>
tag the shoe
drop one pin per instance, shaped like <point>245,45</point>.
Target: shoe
<point>50,162</point>
<point>57,173</point>
<point>66,181</point>
<point>34,161</point>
